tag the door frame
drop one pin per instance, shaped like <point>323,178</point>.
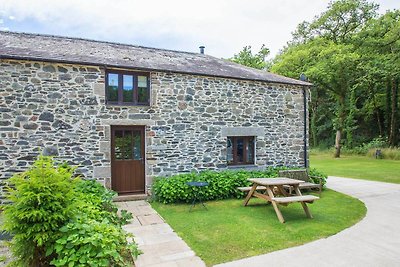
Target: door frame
<point>142,129</point>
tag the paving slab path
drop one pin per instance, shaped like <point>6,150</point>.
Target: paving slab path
<point>160,245</point>
<point>374,241</point>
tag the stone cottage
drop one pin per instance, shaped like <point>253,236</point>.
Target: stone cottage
<point>125,114</point>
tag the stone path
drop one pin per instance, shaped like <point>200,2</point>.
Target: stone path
<point>375,241</point>
<point>4,252</point>
<point>160,245</point>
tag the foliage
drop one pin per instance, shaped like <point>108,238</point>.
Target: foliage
<point>222,184</point>
<point>316,173</point>
<point>246,57</point>
<point>338,23</point>
<point>50,207</point>
<point>228,231</point>
<point>352,56</point>
<point>97,202</point>
<point>88,242</point>
<point>43,201</point>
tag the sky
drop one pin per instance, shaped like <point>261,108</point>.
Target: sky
<point>224,27</point>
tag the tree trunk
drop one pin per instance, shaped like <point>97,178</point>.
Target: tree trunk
<point>378,121</point>
<point>337,144</point>
<point>393,114</point>
<point>387,108</point>
<point>340,124</point>
<point>376,109</point>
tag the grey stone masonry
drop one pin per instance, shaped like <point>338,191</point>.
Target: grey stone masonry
<point>60,110</point>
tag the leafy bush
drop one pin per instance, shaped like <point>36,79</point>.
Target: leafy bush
<point>60,220</point>
<point>222,184</point>
<point>315,172</point>
<point>96,201</point>
<point>88,242</point>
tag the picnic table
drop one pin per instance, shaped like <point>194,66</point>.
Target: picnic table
<point>272,190</point>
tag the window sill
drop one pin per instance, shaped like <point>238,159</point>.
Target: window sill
<point>112,105</point>
<point>243,166</point>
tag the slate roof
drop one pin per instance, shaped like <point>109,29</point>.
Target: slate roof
<point>89,52</point>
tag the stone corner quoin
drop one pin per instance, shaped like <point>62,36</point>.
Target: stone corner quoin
<point>60,110</point>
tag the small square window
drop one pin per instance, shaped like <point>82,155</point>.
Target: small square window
<point>240,150</point>
<point>127,88</point>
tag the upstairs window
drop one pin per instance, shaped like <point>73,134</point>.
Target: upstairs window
<point>240,150</point>
<point>127,88</point>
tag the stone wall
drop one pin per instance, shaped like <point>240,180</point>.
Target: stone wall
<point>59,109</point>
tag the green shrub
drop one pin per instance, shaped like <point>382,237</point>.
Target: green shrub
<point>88,242</point>
<point>42,202</point>
<point>315,172</point>
<point>60,220</point>
<point>96,201</point>
<point>222,184</point>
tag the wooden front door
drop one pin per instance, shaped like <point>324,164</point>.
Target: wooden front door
<point>127,159</point>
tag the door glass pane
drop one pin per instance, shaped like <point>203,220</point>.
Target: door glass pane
<point>229,150</point>
<point>118,143</point>
<point>137,145</point>
<point>112,87</point>
<point>127,82</point>
<point>250,150</point>
<point>239,149</point>
<point>127,144</point>
<point>143,95</point>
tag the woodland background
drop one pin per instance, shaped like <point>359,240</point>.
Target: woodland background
<point>351,54</point>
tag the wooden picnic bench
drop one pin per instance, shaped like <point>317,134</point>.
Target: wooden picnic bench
<point>277,184</point>
<point>248,188</point>
<point>302,174</point>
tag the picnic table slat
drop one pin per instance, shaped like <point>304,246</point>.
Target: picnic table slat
<point>275,181</point>
<point>295,199</point>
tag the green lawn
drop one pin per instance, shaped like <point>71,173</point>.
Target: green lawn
<point>229,231</point>
<point>359,167</point>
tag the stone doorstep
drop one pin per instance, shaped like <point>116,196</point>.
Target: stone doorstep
<point>130,198</point>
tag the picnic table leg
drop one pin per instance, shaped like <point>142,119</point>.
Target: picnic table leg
<point>276,208</point>
<point>250,194</point>
<point>282,191</point>
<point>305,207</point>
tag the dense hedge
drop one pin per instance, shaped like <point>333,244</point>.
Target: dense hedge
<point>59,220</point>
<point>222,184</point>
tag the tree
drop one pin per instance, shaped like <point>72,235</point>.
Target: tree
<point>324,50</point>
<point>338,23</point>
<point>246,57</point>
<point>379,43</point>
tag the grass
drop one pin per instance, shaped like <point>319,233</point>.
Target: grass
<point>228,231</point>
<point>359,167</point>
